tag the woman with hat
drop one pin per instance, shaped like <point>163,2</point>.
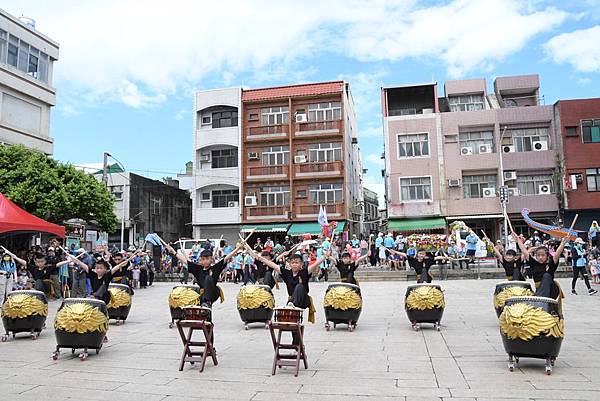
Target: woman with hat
<point>578,260</point>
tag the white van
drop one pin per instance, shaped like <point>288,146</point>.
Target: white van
<point>187,244</point>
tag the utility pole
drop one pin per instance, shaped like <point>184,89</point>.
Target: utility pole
<point>105,169</point>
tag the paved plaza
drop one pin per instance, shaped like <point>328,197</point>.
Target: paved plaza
<point>384,359</point>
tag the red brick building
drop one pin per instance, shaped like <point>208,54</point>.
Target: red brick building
<point>578,122</point>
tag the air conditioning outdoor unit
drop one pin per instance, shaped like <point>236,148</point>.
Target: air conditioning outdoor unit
<point>510,175</point>
<point>539,145</point>
<point>513,192</point>
<point>508,148</point>
<point>485,148</point>
<point>301,118</point>
<point>453,183</point>
<point>233,204</point>
<point>205,158</point>
<point>544,189</point>
<point>489,192</point>
<point>252,155</point>
<point>250,200</point>
<point>299,159</point>
<point>466,150</point>
<point>579,178</point>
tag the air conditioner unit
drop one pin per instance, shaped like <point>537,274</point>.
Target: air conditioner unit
<point>485,148</point>
<point>544,189</point>
<point>233,204</point>
<point>510,175</point>
<point>453,183</point>
<point>508,148</point>
<point>252,155</point>
<point>489,192</point>
<point>579,178</point>
<point>205,158</point>
<point>513,192</point>
<point>301,118</point>
<point>539,145</point>
<point>250,200</point>
<point>466,150</point>
<point>299,159</point>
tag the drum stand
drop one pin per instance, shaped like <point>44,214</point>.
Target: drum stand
<point>294,358</point>
<point>206,346</point>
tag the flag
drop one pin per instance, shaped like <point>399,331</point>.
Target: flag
<point>569,182</point>
<point>554,231</point>
<point>322,219</point>
<point>154,239</point>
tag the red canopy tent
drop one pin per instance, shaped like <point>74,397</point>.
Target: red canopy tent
<point>13,218</point>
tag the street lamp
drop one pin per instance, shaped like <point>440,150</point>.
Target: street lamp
<point>105,179</point>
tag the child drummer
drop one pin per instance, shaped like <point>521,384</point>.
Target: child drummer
<point>347,267</point>
<point>421,263</point>
<point>511,263</point>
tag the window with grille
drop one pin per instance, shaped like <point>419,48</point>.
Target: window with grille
<point>222,197</point>
<point>324,111</point>
<point>413,145</point>
<point>325,152</point>
<point>224,158</point>
<point>466,102</point>
<point>415,189</point>
<point>326,193</point>
<point>275,196</point>
<point>530,184</point>
<point>593,179</point>
<point>274,115</point>
<point>275,155</point>
<point>477,141</point>
<point>223,119</point>
<point>591,131</point>
<point>524,139</point>
<point>473,185</point>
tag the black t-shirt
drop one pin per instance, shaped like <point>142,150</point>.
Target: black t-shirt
<point>292,281</point>
<point>200,273</point>
<point>39,274</point>
<point>261,268</point>
<point>426,263</point>
<point>121,272</point>
<point>537,269</point>
<point>509,267</point>
<point>346,269</point>
<point>96,282</point>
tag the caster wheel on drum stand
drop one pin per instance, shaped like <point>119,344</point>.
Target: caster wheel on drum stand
<point>72,351</point>
<point>171,325</point>
<point>55,355</point>
<point>83,356</point>
<point>351,327</point>
<point>552,361</point>
<point>549,365</point>
<point>437,326</point>
<point>4,338</point>
<point>34,336</point>
<point>415,326</point>
<point>511,363</point>
<point>267,325</point>
<point>97,351</point>
<point>118,322</point>
<point>327,327</point>
<point>246,326</point>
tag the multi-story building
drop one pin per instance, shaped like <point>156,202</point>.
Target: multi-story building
<point>578,122</point>
<point>26,93</point>
<point>446,156</point>
<point>216,167</point>
<point>371,211</point>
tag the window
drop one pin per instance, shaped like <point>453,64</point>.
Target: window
<point>117,191</point>
<point>3,46</point>
<point>324,111</point>
<point>206,120</point>
<point>155,206</point>
<point>275,155</point>
<point>205,196</point>
<point>253,117</point>
<point>274,196</point>
<point>274,116</point>
<point>325,152</point>
<point>473,185</point>
<point>415,189</point>
<point>19,54</point>
<point>413,145</point>
<point>593,179</point>
<point>530,184</point>
<point>224,158</point>
<point>477,141</point>
<point>524,138</point>
<point>223,119</point>
<point>301,193</point>
<point>32,68</point>
<point>221,198</point>
<point>13,51</point>
<point>466,102</point>
<point>571,131</point>
<point>326,193</point>
<point>591,131</point>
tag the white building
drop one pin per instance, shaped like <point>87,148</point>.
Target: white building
<point>216,167</point>
<point>26,93</point>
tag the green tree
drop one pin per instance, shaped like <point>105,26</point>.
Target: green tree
<point>53,191</point>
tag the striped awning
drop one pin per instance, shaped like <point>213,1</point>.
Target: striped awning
<point>266,228</point>
<point>475,217</point>
<point>416,225</point>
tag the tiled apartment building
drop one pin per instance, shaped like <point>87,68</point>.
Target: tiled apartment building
<point>443,154</point>
<point>288,150</point>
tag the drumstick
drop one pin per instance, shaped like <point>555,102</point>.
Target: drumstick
<point>509,223</point>
<point>573,224</point>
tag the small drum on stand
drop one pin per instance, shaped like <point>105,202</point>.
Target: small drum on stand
<point>532,327</point>
<point>424,303</point>
<point>507,289</point>
<point>182,296</point>
<point>342,304</point>
<point>197,313</point>
<point>255,303</point>
<point>80,323</point>
<point>288,315</point>
<point>120,302</point>
<point>24,312</point>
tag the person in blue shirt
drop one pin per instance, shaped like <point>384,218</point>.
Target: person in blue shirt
<point>594,233</point>
<point>579,263</point>
<point>8,268</point>
<point>355,242</point>
<point>472,240</point>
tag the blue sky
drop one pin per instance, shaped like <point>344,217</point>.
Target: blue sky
<point>128,69</point>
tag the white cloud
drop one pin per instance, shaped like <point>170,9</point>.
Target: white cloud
<point>181,114</point>
<point>68,110</point>
<point>372,131</point>
<point>375,159</point>
<point>140,53</point>
<point>579,48</point>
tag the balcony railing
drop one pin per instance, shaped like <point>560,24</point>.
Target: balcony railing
<point>259,172</point>
<point>266,211</point>
<point>268,131</point>
<point>318,127</point>
<point>323,168</point>
<point>332,209</point>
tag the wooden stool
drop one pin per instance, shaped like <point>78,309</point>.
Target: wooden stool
<point>194,320</point>
<point>288,320</point>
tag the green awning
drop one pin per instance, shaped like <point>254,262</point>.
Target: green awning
<point>266,228</point>
<point>312,228</point>
<point>425,224</point>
